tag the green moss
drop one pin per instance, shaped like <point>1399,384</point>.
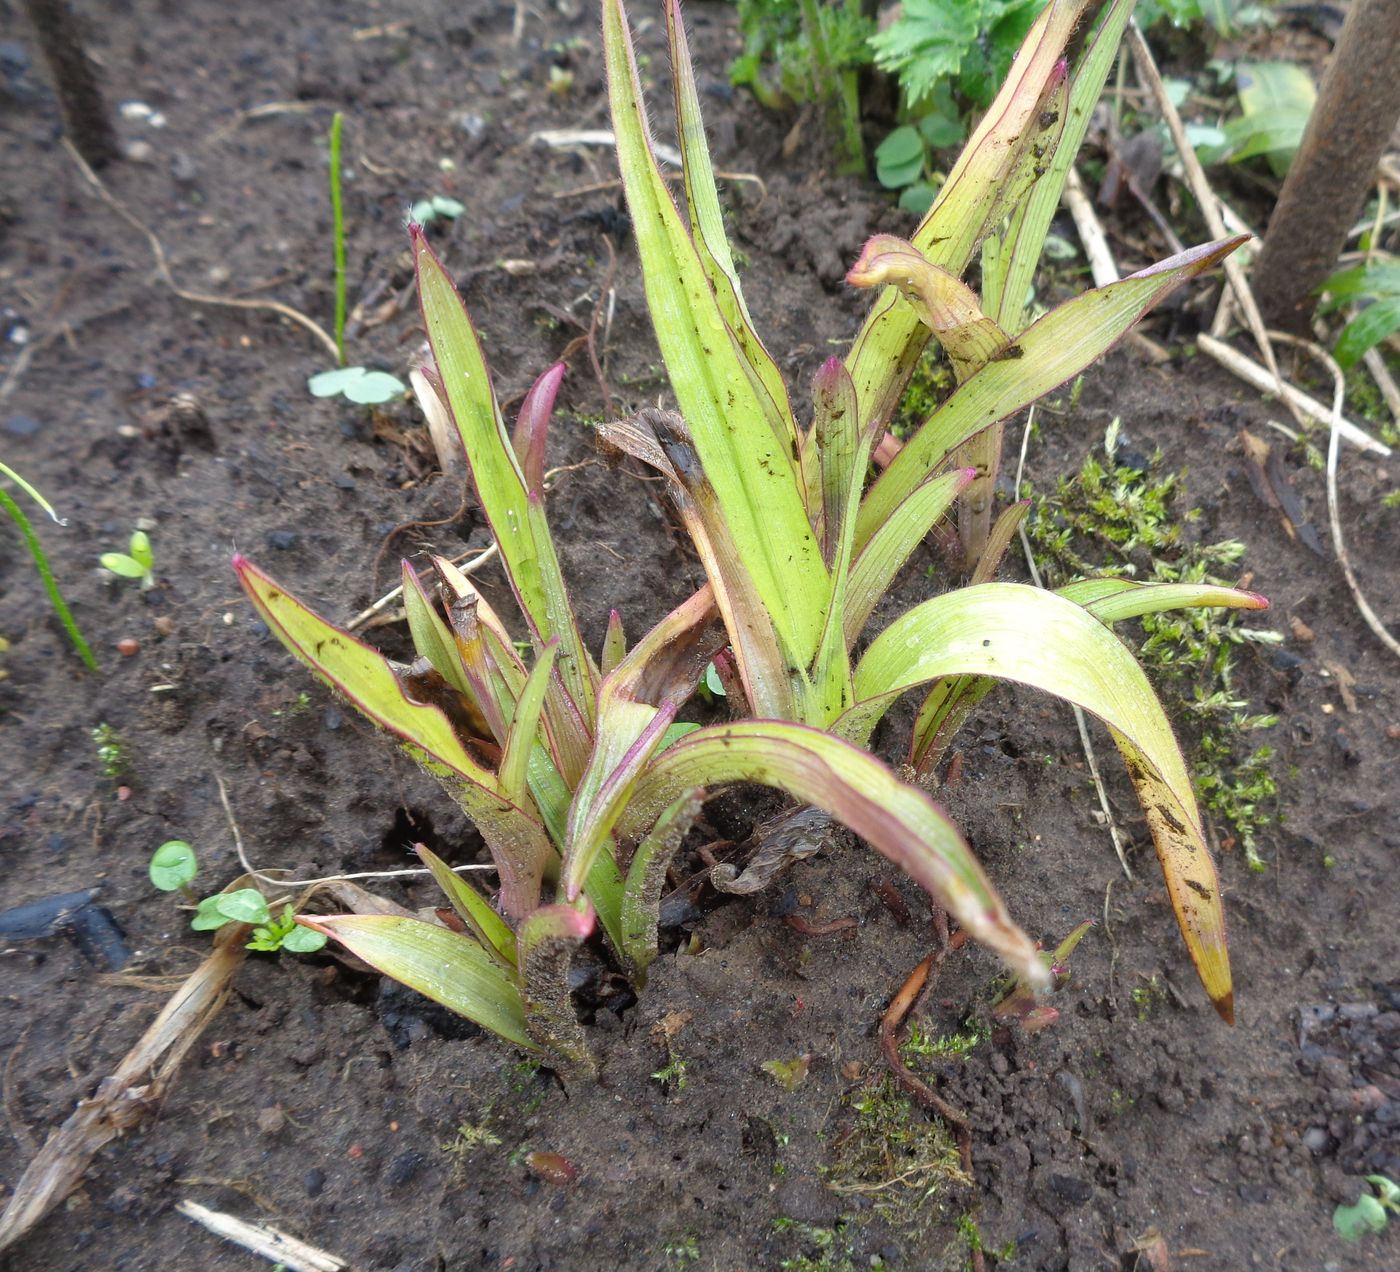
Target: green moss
<point>1113,518</point>
<point>931,382</point>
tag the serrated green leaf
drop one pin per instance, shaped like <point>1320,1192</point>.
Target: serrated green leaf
<point>445,966</point>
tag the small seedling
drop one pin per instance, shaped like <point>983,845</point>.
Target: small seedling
<point>672,1073</point>
<point>1370,1213</point>
<point>248,905</point>
<point>788,1074</point>
<point>138,562</point>
<point>111,752</point>
<point>41,562</point>
<point>173,867</point>
<point>426,211</point>
<point>355,384</point>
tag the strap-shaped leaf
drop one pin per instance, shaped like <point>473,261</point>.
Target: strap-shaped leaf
<point>836,438</point>
<point>993,172</point>
<point>432,638</point>
<point>1013,632</point>
<point>525,727</point>
<point>636,706</point>
<point>646,875</point>
<point>1046,354</point>
<point>491,931</point>
<point>894,542</point>
<point>755,473</point>
<point>548,939</point>
<point>707,230</point>
<point>899,822</point>
<point>1021,245</point>
<point>515,513</point>
<point>950,700</point>
<point>364,677</point>
<point>448,967</point>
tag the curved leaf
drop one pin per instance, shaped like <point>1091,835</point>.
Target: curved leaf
<point>1045,355</point>
<point>365,678</point>
<point>755,472</point>
<point>446,966</point>
<point>899,822</point>
<point>1014,632</point>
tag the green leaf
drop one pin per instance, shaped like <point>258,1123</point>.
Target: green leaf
<point>707,228</point>
<point>918,198</point>
<point>492,931</point>
<point>303,940</point>
<point>1276,99</point>
<point>422,212</point>
<point>1013,632</point>
<point>525,726</point>
<point>141,551</point>
<point>445,966</point>
<point>898,821</point>
<point>1360,1220</point>
<point>432,638</point>
<point>207,916</point>
<point>449,208</point>
<point>120,563</point>
<point>373,388</point>
<point>244,905</point>
<point>516,518</point>
<point>333,383</point>
<point>1372,325</point>
<point>899,159</point>
<point>517,840</point>
<point>548,939</point>
<point>646,877</point>
<point>754,472</point>
<point>173,865</point>
<point>1048,353</point>
<point>996,168</point>
<point>926,43</point>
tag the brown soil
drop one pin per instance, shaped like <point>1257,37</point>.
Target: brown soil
<point>1234,1143</point>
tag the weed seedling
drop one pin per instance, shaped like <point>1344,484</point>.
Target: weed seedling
<point>111,752</point>
<point>137,562</point>
<point>173,867</point>
<point>270,933</point>
<point>360,385</point>
<point>41,561</point>
<point>426,211</point>
<point>1371,1212</point>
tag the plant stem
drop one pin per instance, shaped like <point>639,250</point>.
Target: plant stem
<point>41,563</point>
<point>338,213</point>
<point>85,117</point>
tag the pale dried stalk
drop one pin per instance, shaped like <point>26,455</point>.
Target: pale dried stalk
<point>1334,518</point>
<point>276,1247</point>
<point>1210,207</point>
<point>134,1089</point>
<point>1252,373</point>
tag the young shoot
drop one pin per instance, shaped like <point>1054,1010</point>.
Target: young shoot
<point>137,562</point>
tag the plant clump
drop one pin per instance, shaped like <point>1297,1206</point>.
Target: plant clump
<point>571,757</point>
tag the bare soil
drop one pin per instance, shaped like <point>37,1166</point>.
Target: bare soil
<point>324,1103</point>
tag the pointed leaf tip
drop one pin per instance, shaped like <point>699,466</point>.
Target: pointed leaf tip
<point>1225,1007</point>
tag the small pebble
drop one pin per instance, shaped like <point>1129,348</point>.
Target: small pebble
<point>314,1181</point>
<point>165,625</point>
<point>22,425</point>
<point>282,540</point>
<point>128,648</point>
<point>271,1121</point>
